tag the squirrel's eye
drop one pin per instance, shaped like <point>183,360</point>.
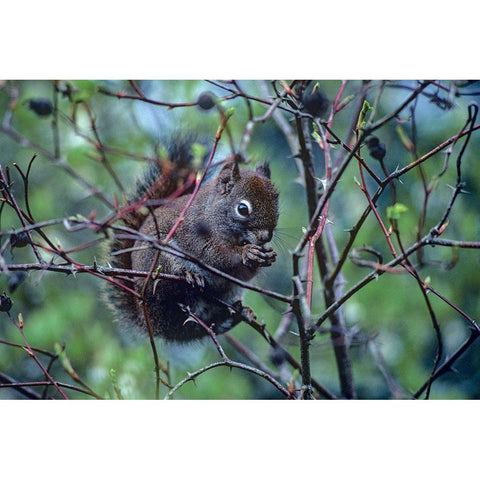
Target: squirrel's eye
<point>244,208</point>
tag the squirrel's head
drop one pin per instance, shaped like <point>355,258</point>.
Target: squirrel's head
<point>245,203</point>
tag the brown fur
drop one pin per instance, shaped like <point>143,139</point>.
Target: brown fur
<point>214,233</point>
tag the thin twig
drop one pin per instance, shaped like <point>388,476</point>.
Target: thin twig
<point>230,364</point>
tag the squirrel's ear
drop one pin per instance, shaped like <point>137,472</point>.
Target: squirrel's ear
<point>263,170</point>
<point>229,174</point>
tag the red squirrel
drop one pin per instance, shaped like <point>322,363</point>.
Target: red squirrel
<point>227,226</point>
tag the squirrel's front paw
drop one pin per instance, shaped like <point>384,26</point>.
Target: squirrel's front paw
<point>258,256</point>
<point>194,279</point>
<point>244,313</point>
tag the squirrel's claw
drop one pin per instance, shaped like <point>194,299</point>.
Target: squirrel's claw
<point>258,256</point>
<point>194,279</point>
<point>245,313</point>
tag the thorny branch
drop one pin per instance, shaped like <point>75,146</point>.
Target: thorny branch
<point>227,363</point>
<point>281,103</point>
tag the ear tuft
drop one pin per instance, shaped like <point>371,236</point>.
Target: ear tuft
<point>264,170</point>
<point>235,172</point>
<point>229,174</point>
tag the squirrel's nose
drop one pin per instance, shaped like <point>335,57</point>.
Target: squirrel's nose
<point>264,236</point>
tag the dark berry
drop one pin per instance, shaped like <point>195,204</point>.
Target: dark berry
<point>206,100</point>
<point>315,104</point>
<point>5,302</point>
<point>277,356</point>
<point>377,150</point>
<point>41,106</point>
<point>19,240</point>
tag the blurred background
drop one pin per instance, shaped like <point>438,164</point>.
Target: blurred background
<point>393,344</point>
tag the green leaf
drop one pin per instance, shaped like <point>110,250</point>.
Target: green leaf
<point>64,360</point>
<point>229,112</point>
<point>361,118</point>
<point>394,212</point>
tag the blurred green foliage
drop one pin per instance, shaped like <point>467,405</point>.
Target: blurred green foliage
<point>387,317</point>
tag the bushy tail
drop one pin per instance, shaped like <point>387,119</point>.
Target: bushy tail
<point>171,176</point>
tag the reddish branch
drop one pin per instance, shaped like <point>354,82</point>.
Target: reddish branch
<point>312,242</point>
